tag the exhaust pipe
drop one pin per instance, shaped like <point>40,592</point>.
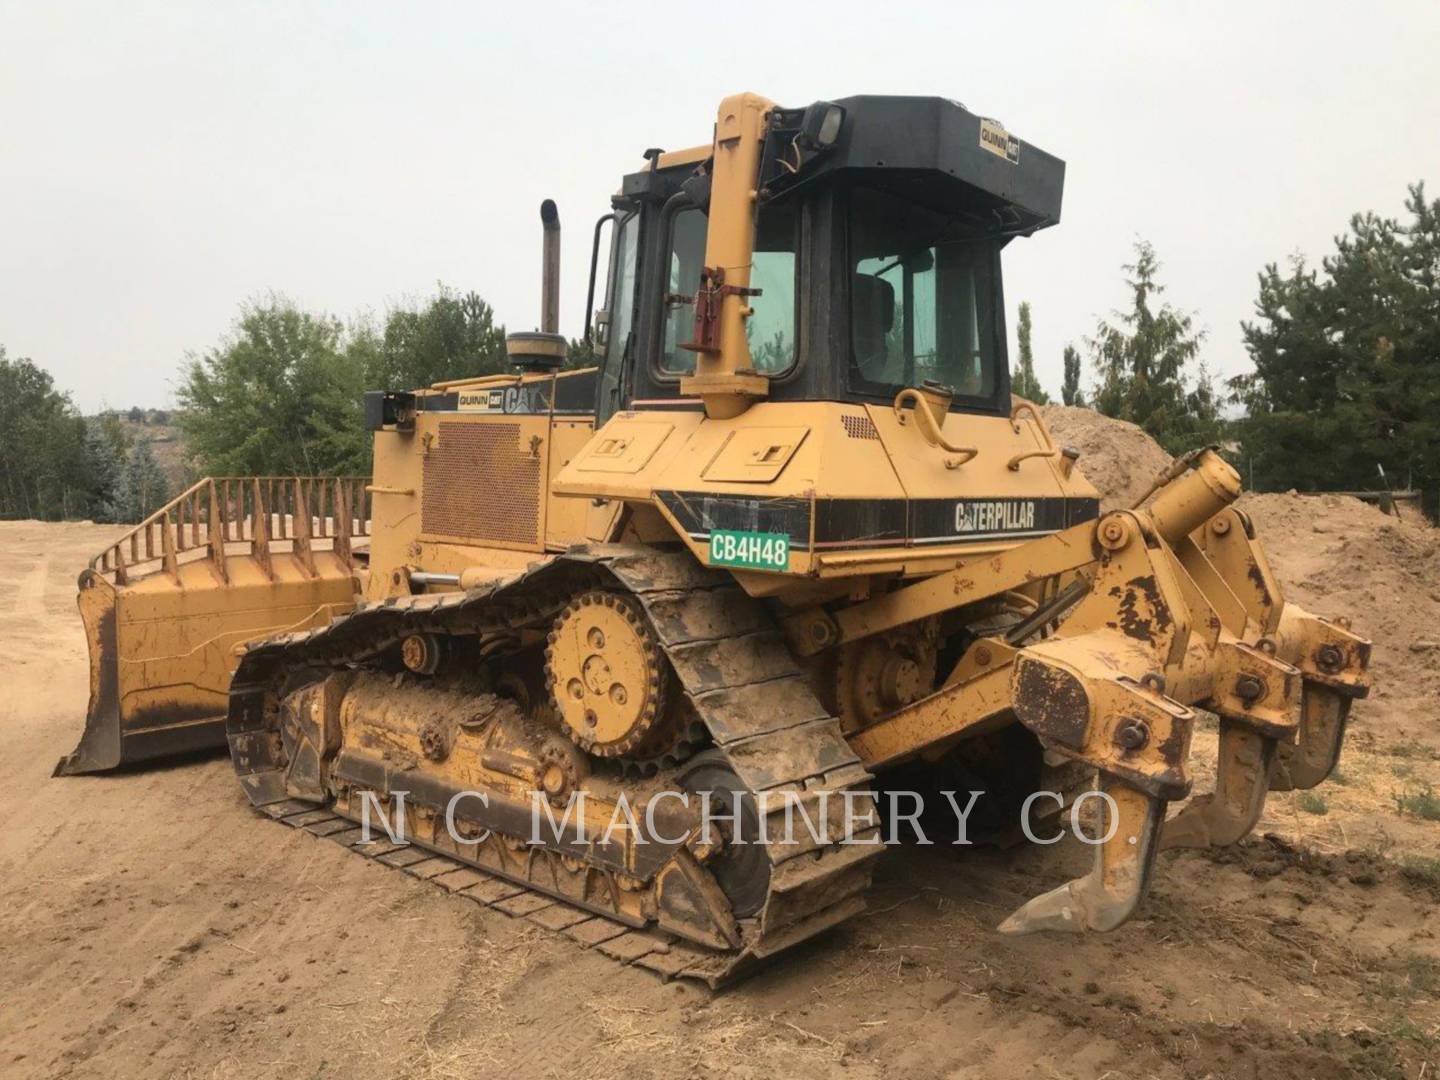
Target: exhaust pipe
<point>543,350</point>
<point>550,269</point>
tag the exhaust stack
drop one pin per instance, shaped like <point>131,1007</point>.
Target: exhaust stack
<point>550,269</point>
<point>543,350</point>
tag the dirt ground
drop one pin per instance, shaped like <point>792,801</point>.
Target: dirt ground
<point>153,925</point>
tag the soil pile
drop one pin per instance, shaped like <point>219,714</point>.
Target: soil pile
<point>1339,556</point>
<point>1115,455</point>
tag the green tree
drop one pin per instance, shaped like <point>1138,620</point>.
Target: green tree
<point>452,336</point>
<point>1070,392</point>
<point>772,355</point>
<point>270,399</point>
<point>1347,361</point>
<point>582,354</point>
<point>44,467</point>
<point>1145,362</point>
<point>337,423</point>
<point>1025,384</point>
<point>283,393</point>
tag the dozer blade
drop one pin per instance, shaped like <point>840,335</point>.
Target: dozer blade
<point>166,607</point>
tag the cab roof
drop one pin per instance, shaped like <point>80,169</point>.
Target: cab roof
<point>930,149</point>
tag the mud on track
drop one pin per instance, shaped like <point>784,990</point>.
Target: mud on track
<point>155,926</point>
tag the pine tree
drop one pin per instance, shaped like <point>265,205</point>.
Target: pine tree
<point>108,449</point>
<point>1144,362</point>
<point>1025,384</point>
<point>142,489</point>
<point>1070,392</point>
<point>1347,361</point>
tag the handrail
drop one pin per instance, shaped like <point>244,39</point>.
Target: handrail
<point>1048,450</point>
<point>1025,455</point>
<point>929,429</point>
<point>261,511</point>
<point>1023,406</point>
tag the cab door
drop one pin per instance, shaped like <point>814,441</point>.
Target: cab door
<point>619,329</point>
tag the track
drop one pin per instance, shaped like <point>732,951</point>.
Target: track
<point>766,725</point>
<point>647,948</point>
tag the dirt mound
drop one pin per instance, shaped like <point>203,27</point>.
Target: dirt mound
<point>1115,455</point>
<point>1339,556</point>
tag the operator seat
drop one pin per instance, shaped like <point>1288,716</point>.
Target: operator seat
<point>872,316</point>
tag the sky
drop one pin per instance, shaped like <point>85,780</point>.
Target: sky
<point>160,164</point>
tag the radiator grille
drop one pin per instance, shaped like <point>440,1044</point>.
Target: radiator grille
<point>481,483</point>
<point>859,427</point>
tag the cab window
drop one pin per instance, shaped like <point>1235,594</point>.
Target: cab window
<point>621,303</point>
<point>621,308</point>
<point>770,331</point>
<point>685,260</point>
<point>922,300</point>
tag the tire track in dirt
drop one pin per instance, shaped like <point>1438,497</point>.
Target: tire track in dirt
<point>27,617</point>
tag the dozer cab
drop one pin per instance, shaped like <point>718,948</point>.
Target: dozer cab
<point>793,531</point>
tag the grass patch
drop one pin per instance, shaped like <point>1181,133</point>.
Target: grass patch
<point>1312,802</point>
<point>1403,771</point>
<point>1412,748</point>
<point>1422,973</point>
<point>1424,803</point>
<point>1421,870</point>
<point>1338,777</point>
<point>1405,1028</point>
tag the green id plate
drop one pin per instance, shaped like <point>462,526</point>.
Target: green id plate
<point>750,550</point>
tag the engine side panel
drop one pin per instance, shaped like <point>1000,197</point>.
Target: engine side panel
<point>851,489</point>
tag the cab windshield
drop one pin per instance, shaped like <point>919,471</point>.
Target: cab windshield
<point>922,300</point>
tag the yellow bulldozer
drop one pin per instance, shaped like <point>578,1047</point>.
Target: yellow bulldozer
<point>793,531</point>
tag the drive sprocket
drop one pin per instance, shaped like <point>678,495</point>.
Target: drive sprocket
<point>608,678</point>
